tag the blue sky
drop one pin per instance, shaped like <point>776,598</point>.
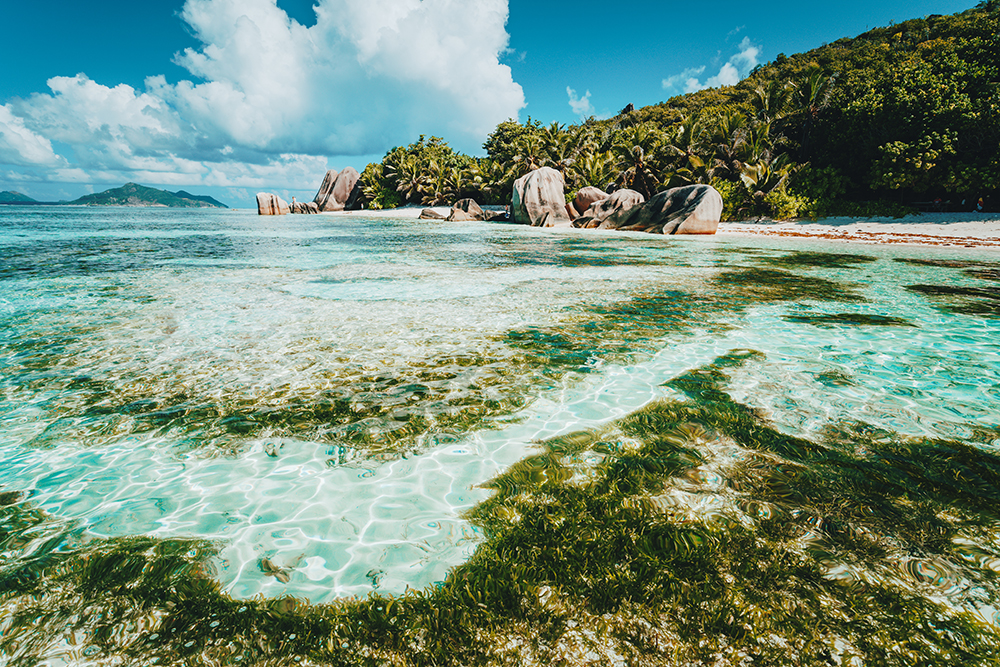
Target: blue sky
<point>229,97</point>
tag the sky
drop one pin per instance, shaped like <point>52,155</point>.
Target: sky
<point>231,97</point>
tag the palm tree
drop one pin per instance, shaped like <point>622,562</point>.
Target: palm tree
<point>728,133</point>
<point>411,182</point>
<point>596,169</point>
<point>434,175</point>
<point>811,97</point>
<point>771,101</point>
<point>636,173</point>
<point>530,154</point>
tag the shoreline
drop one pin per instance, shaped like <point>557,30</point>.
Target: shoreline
<point>970,230</point>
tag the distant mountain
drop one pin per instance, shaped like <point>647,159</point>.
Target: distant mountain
<point>7,197</point>
<point>203,198</point>
<point>133,194</point>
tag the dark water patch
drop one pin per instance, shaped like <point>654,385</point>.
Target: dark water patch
<point>947,263</point>
<point>835,379</point>
<point>825,260</point>
<point>621,331</point>
<point>361,416</point>
<point>689,528</point>
<point>98,256</point>
<point>829,320</point>
<point>985,274</point>
<point>770,285</point>
<point>984,301</point>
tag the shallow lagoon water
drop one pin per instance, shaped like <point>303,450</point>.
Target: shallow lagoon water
<point>324,399</point>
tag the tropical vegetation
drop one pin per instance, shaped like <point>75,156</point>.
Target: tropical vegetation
<point>896,118</point>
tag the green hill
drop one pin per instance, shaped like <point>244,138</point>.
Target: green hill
<point>133,194</point>
<point>896,119</point>
<point>7,197</point>
<point>202,198</point>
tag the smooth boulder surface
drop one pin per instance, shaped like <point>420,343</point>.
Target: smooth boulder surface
<point>430,214</point>
<point>303,207</point>
<point>539,199</point>
<point>326,187</point>
<point>692,209</point>
<point>612,211</point>
<point>342,193</point>
<point>585,197</point>
<point>270,204</point>
<point>466,209</point>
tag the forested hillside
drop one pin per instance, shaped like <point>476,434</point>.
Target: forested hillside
<point>901,117</point>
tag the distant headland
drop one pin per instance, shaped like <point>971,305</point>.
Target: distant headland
<point>130,194</point>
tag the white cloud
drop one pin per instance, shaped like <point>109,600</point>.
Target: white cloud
<point>735,69</point>
<point>272,99</point>
<point>21,146</point>
<point>581,105</point>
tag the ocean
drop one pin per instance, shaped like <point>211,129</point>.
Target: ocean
<point>629,442</point>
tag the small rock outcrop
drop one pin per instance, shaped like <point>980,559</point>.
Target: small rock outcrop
<point>539,199</point>
<point>430,214</point>
<point>466,209</point>
<point>692,209</point>
<point>270,204</point>
<point>587,196</point>
<point>612,211</point>
<point>339,191</point>
<point>303,207</point>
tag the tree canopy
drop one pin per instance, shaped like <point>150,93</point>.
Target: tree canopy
<point>894,118</point>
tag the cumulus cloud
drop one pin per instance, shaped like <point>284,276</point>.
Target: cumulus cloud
<point>22,147</point>
<point>734,69</point>
<point>269,96</point>
<point>581,105</point>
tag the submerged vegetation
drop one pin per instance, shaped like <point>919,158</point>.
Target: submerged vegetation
<point>689,532</point>
<point>898,117</point>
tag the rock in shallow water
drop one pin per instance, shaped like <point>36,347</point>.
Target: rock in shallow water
<point>466,209</point>
<point>610,212</point>
<point>271,204</point>
<point>587,196</point>
<point>339,191</point>
<point>303,207</point>
<point>539,199</point>
<point>692,209</point>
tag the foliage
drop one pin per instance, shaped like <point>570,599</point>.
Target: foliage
<point>906,113</point>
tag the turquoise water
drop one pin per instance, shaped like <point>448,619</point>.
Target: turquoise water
<point>323,400</point>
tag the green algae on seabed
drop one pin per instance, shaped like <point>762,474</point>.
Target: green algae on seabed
<point>366,414</point>
<point>825,260</point>
<point>848,319</point>
<point>983,301</point>
<point>689,532</point>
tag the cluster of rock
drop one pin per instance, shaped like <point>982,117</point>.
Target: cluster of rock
<point>538,201</point>
<point>465,210</point>
<point>338,192</point>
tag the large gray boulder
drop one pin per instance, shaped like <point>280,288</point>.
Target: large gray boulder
<point>326,187</point>
<point>270,204</point>
<point>692,209</point>
<point>586,196</point>
<point>464,210</point>
<point>539,199</point>
<point>612,211</point>
<point>339,192</point>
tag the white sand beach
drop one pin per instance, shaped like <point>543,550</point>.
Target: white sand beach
<point>974,230</point>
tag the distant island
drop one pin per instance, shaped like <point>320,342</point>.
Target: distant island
<point>130,194</point>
